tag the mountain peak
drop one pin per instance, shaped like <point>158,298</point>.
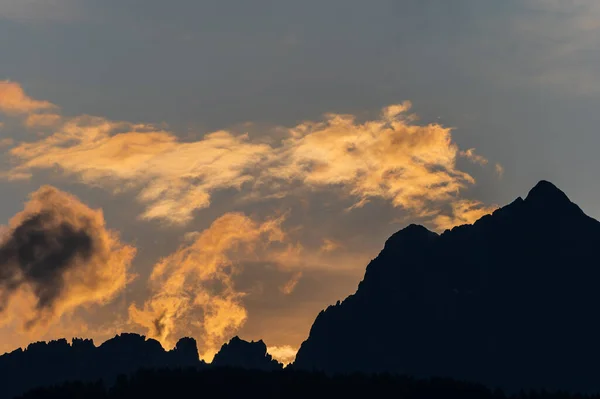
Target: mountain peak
<point>410,235</point>
<point>447,305</point>
<point>244,354</point>
<point>547,193</point>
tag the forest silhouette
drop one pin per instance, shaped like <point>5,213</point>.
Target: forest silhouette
<point>237,383</point>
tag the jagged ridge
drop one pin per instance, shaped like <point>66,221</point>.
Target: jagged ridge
<point>54,362</point>
<point>508,301</point>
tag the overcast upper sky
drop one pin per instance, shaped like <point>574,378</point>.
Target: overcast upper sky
<point>238,163</point>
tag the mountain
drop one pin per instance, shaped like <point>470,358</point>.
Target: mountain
<point>247,355</point>
<point>55,362</point>
<point>43,364</point>
<point>510,301</point>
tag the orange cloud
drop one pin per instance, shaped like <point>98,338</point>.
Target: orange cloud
<point>473,157</point>
<point>173,178</point>
<point>199,277</point>
<point>463,212</point>
<point>57,255</point>
<point>14,101</point>
<point>330,245</point>
<point>42,120</point>
<point>285,354</point>
<point>290,285</point>
<point>390,157</point>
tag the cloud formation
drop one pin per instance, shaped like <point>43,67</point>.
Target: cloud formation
<point>473,157</point>
<point>42,120</point>
<point>330,245</point>
<point>193,289</point>
<point>389,157</point>
<point>172,178</point>
<point>57,255</point>
<point>290,285</point>
<point>463,212</point>
<point>284,354</point>
<point>499,170</point>
<point>14,101</point>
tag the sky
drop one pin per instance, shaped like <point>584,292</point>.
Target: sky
<point>220,168</point>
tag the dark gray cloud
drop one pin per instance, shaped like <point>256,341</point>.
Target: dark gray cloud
<point>39,252</point>
<point>57,255</point>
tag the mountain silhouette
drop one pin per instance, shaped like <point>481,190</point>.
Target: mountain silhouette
<point>247,355</point>
<point>55,362</point>
<point>510,301</point>
<point>43,364</point>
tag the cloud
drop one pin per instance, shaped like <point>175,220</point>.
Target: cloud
<point>473,157</point>
<point>290,285</point>
<point>389,157</point>
<point>499,170</point>
<point>284,354</point>
<point>173,178</point>
<point>330,245</point>
<point>14,101</point>
<point>198,278</point>
<point>42,120</point>
<point>6,142</point>
<point>463,212</point>
<point>57,255</point>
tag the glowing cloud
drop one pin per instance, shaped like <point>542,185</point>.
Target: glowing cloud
<point>390,157</point>
<point>174,179</point>
<point>284,354</point>
<point>463,212</point>
<point>14,101</point>
<point>290,285</point>
<point>199,277</point>
<point>57,255</point>
<point>473,157</point>
<point>330,245</point>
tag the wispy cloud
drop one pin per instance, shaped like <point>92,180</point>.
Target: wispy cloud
<point>390,157</point>
<point>173,178</point>
<point>42,120</point>
<point>473,157</point>
<point>463,212</point>
<point>291,284</point>
<point>14,101</point>
<point>499,170</point>
<point>330,245</point>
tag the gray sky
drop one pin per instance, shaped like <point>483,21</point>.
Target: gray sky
<point>519,81</point>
